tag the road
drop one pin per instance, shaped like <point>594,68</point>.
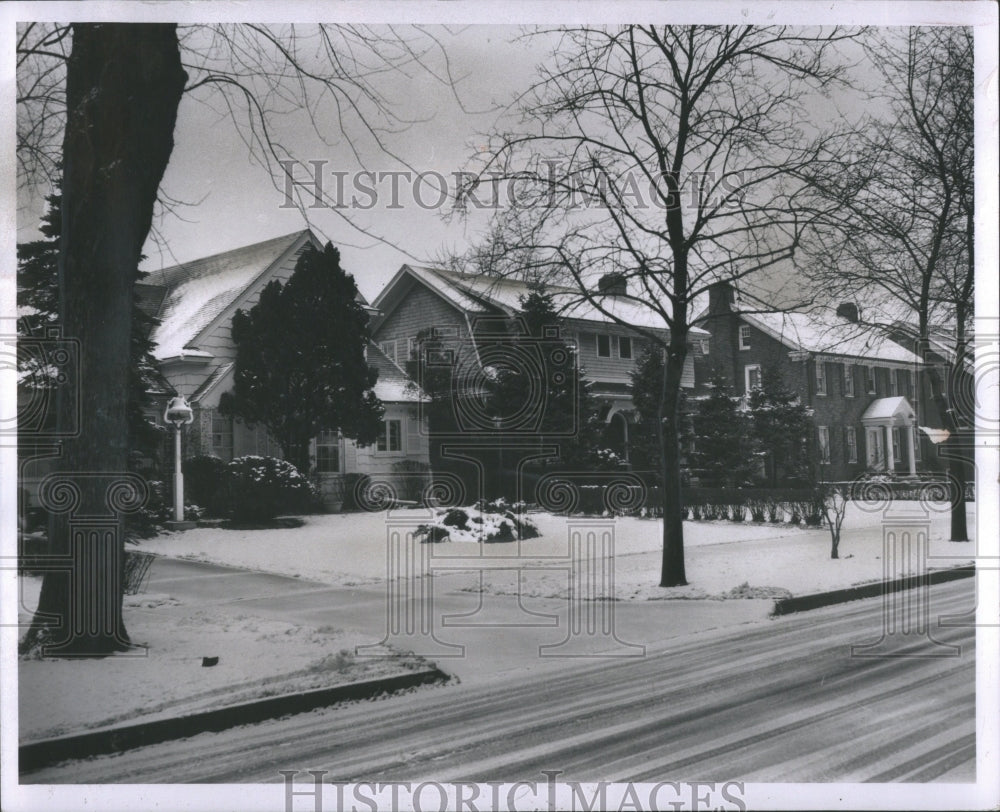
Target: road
<point>774,700</point>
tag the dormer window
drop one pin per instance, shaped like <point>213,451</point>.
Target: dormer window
<point>744,337</point>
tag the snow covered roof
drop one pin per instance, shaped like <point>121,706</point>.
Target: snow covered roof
<point>477,294</point>
<point>393,385</point>
<point>888,409</point>
<point>823,331</point>
<point>195,293</point>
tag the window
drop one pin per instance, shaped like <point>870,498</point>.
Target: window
<point>894,381</point>
<point>851,439</point>
<point>624,347</point>
<point>751,376</point>
<point>916,444</point>
<point>897,448</point>
<point>222,436</point>
<point>824,443</point>
<point>328,452</point>
<point>744,337</point>
<point>603,346</point>
<point>704,345</point>
<point>391,437</point>
<point>848,380</point>
<point>389,349</point>
<point>906,383</point>
<point>870,380</point>
<point>820,378</point>
<point>411,349</point>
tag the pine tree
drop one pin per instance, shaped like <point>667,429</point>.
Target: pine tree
<point>646,389</point>
<point>783,429</point>
<point>567,412</point>
<point>724,442</point>
<point>38,296</point>
<point>300,359</point>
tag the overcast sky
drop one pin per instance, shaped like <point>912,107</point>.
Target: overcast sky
<point>229,200</point>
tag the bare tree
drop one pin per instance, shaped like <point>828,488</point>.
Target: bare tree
<point>665,155</point>
<point>901,233</point>
<point>101,100</point>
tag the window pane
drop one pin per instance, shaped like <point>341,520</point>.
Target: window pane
<point>744,337</point>
<point>395,443</point>
<point>604,346</point>
<point>624,347</point>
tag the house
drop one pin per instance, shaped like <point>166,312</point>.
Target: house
<point>463,312</point>
<point>195,303</point>
<point>860,386</point>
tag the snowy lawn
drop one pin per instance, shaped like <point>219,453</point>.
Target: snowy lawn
<point>723,559</point>
<point>257,657</point>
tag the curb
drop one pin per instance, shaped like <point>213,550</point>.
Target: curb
<point>42,753</point>
<point>803,603</point>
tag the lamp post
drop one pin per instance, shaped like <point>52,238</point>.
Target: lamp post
<point>179,414</point>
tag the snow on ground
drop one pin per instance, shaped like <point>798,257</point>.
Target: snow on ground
<point>723,559</point>
<point>257,657</point>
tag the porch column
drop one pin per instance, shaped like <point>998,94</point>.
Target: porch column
<point>911,432</point>
<point>890,462</point>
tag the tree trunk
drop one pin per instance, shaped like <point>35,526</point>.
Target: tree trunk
<point>958,445</point>
<point>672,569</point>
<point>123,88</point>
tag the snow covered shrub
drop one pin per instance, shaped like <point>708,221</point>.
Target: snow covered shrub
<point>260,488</point>
<point>495,521</point>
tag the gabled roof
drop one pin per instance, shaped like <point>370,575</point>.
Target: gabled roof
<point>393,384</point>
<point>892,408</point>
<point>194,294</point>
<point>824,332</point>
<point>479,294</point>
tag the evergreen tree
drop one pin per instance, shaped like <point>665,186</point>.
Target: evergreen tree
<point>300,359</point>
<point>783,429</point>
<point>724,443</point>
<point>567,413</point>
<point>38,295</point>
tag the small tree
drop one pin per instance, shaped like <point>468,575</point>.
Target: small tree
<point>300,359</point>
<point>569,415</point>
<point>646,388</point>
<point>724,447</point>
<point>783,428</point>
<point>833,500</point>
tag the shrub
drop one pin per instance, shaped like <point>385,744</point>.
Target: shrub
<point>261,488</point>
<point>204,477</point>
<point>413,478</point>
<point>495,521</point>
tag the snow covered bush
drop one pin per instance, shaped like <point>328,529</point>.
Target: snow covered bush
<point>494,521</point>
<point>260,488</point>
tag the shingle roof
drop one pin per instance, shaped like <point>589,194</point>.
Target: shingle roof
<point>823,331</point>
<point>478,293</point>
<point>393,385</point>
<point>197,292</point>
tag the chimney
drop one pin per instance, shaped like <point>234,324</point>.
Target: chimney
<point>614,284</point>
<point>721,298</point>
<point>849,311</point>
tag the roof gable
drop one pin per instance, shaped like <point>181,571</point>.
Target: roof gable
<point>200,293</point>
<point>823,331</point>
<point>479,294</point>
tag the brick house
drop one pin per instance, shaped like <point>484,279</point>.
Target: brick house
<point>859,385</point>
<point>195,303</point>
<point>463,311</point>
